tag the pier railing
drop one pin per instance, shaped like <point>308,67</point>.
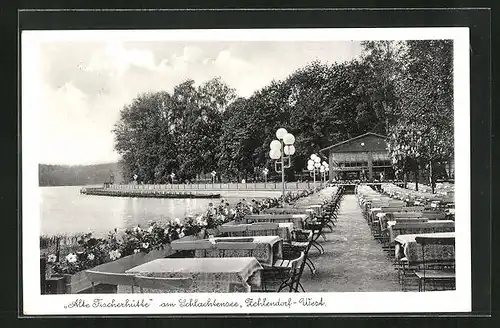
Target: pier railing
<point>270,186</point>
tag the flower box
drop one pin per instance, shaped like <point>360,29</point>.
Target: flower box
<point>78,282</point>
<point>135,239</point>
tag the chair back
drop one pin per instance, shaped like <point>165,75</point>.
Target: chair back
<point>167,284</point>
<point>387,209</point>
<point>412,209</point>
<point>110,278</point>
<point>263,226</point>
<point>435,240</point>
<point>297,268</point>
<point>434,216</point>
<point>406,214</point>
<point>410,220</point>
<point>285,210</point>
<point>435,260</point>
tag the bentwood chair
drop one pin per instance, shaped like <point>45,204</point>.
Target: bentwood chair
<point>110,278</point>
<point>165,284</point>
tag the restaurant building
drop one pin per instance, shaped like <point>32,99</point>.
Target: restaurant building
<point>363,157</point>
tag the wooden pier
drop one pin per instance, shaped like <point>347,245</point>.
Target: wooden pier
<point>145,193</point>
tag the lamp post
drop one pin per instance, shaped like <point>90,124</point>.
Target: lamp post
<point>281,150</point>
<point>324,169</point>
<point>172,176</point>
<point>313,164</point>
<point>265,172</point>
<point>213,173</point>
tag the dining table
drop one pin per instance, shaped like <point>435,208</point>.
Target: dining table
<point>209,275</point>
<point>298,220</point>
<point>407,247</point>
<point>396,228</point>
<point>266,249</point>
<point>284,229</point>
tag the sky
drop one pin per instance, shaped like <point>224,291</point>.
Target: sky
<point>85,84</point>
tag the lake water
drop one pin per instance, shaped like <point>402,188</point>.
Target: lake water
<point>63,210</point>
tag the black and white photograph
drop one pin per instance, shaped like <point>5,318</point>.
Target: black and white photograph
<point>310,169</point>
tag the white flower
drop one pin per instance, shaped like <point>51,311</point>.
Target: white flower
<point>181,235</point>
<point>137,229</point>
<point>113,255</point>
<point>137,250</point>
<point>71,258</point>
<point>51,258</point>
<point>177,221</point>
<point>145,245</point>
<point>150,229</point>
<point>91,256</point>
<point>233,211</point>
<point>165,231</point>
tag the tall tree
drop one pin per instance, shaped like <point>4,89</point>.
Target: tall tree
<point>424,91</point>
<point>384,60</point>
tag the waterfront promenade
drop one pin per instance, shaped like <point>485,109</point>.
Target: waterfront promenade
<point>201,190</point>
<point>259,186</point>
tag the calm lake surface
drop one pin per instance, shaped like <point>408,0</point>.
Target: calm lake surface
<point>63,210</point>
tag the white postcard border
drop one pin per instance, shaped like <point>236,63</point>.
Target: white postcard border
<point>346,302</point>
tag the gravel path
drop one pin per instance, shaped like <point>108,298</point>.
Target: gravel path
<point>353,261</point>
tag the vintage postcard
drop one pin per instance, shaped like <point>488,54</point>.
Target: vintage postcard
<point>245,171</point>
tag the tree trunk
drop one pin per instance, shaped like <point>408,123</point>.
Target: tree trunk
<point>405,180</point>
<point>431,177</point>
<point>416,177</point>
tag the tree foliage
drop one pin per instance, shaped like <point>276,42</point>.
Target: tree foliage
<point>423,131</point>
<point>400,89</point>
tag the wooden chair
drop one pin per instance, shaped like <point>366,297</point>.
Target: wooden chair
<point>285,272</point>
<point>168,284</point>
<point>110,278</point>
<point>295,273</point>
<point>434,269</point>
<point>302,241</point>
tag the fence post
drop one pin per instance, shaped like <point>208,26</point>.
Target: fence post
<point>42,274</point>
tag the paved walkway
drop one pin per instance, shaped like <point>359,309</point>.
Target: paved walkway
<point>353,260</point>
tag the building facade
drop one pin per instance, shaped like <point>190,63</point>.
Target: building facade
<point>364,157</point>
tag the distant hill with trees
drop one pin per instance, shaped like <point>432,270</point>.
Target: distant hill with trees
<point>77,175</point>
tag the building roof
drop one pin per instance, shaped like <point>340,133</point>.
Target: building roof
<point>353,139</point>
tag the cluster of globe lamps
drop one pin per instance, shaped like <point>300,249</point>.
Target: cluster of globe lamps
<point>314,164</point>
